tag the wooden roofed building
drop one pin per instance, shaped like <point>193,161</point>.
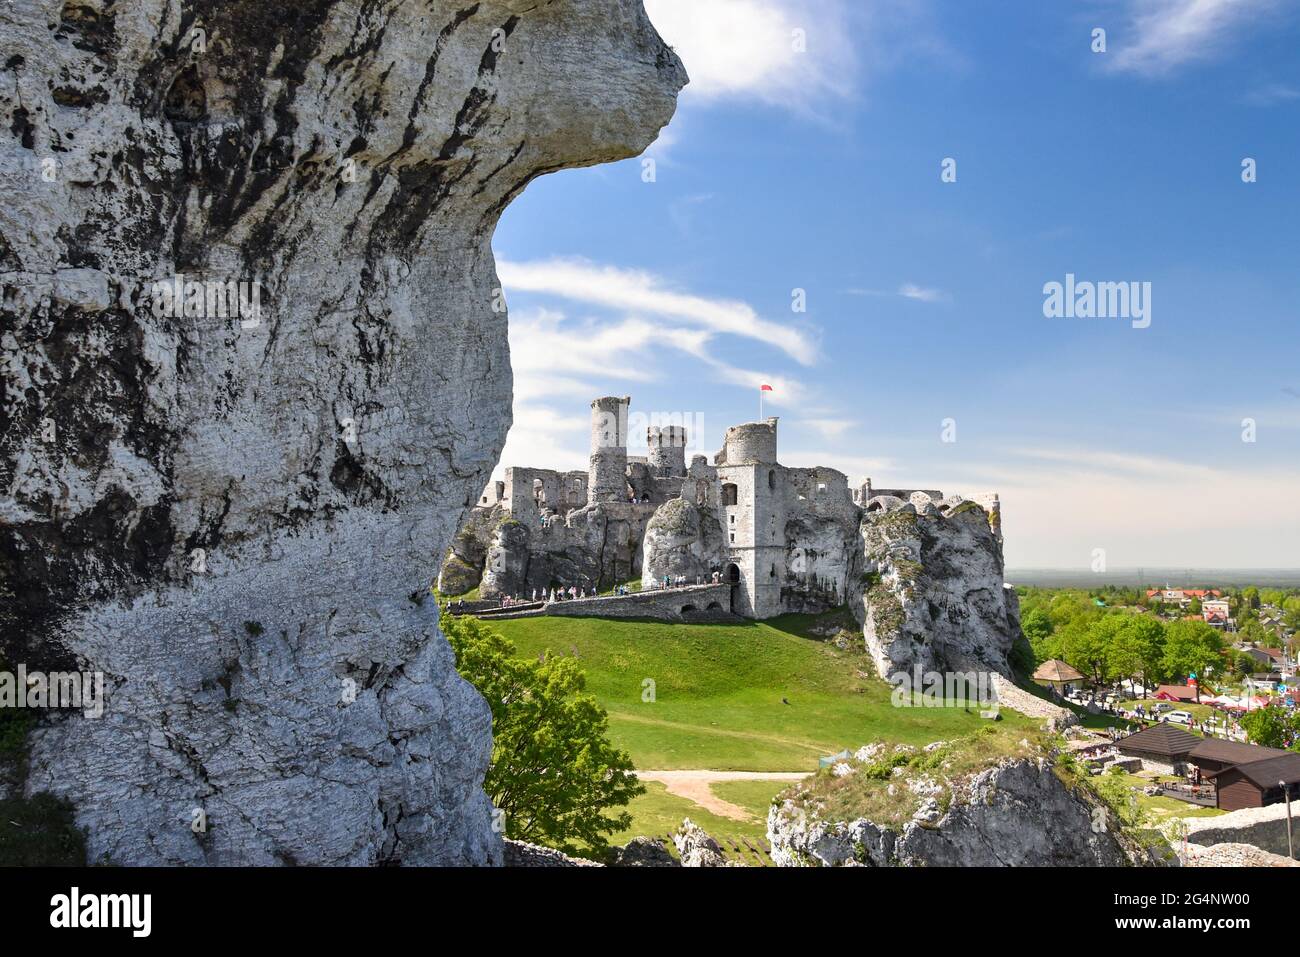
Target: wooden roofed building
<point>1056,674</point>
<point>1257,783</point>
<point>1162,748</point>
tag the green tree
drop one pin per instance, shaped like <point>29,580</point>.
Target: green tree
<point>553,771</point>
<point>1291,613</point>
<point>1272,727</point>
<point>1137,650</point>
<point>1243,665</point>
<point>1037,627</point>
<point>1192,647</point>
<point>1253,631</point>
<point>1085,644</point>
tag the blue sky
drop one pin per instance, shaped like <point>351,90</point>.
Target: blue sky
<point>819,170</point>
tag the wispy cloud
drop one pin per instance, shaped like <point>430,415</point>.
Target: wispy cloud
<point>1272,94</point>
<point>783,52</point>
<point>907,290</point>
<point>639,292</point>
<point>912,291</point>
<point>1163,35</point>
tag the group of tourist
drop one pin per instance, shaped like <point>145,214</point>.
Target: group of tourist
<point>572,593</point>
<point>679,581</point>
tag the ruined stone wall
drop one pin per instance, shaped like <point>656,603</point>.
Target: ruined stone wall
<point>233,515</point>
<point>674,604</point>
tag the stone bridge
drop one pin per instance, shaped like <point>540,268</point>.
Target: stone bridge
<point>688,603</point>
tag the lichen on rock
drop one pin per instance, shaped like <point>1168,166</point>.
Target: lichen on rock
<point>172,467</point>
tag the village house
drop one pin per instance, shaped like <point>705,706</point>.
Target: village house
<point>1216,612</point>
<point>1258,783</point>
<point>1213,755</point>
<point>1184,693</point>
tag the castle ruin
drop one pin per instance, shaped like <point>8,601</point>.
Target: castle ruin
<point>786,539</point>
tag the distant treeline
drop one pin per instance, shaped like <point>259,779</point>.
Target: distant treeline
<point>1115,633</point>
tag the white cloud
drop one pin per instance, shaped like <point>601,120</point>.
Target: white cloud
<point>1167,34</point>
<point>912,291</point>
<point>749,48</point>
<point>638,292</point>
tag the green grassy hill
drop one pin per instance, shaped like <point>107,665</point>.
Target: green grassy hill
<point>719,690</point>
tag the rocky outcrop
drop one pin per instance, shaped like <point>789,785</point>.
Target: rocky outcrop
<point>643,852</point>
<point>933,592</point>
<point>462,570</point>
<point>823,558</point>
<point>255,369</point>
<point>1017,813</point>
<point>696,848</point>
<point>598,546</point>
<point>682,539</point>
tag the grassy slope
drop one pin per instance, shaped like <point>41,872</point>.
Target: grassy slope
<point>719,691</point>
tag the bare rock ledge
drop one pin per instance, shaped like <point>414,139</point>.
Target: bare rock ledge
<point>235,517</point>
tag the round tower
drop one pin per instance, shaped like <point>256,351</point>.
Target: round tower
<point>752,444</point>
<point>607,472</point>
<point>667,446</point>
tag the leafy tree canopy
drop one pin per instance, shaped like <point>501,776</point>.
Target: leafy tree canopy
<point>554,772</point>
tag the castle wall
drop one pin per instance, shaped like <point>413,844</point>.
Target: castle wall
<point>674,604</point>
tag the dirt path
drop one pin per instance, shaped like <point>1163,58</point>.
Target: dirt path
<point>695,786</point>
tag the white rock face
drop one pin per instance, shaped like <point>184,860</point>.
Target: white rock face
<point>1017,814</point>
<point>936,599</point>
<point>235,516</point>
<point>682,539</point>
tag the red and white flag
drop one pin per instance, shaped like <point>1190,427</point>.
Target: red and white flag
<point>764,388</point>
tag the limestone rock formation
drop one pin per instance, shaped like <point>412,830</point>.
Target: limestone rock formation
<point>255,370</point>
<point>934,595</point>
<point>463,568</point>
<point>596,546</point>
<point>683,539</point>
<point>642,852</point>
<point>1017,813</point>
<point>696,848</point>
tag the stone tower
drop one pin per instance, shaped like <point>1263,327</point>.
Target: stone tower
<point>667,446</point>
<point>753,516</point>
<point>607,472</point>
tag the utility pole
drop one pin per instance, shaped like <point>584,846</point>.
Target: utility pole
<point>1290,844</point>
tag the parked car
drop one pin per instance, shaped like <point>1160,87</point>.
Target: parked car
<point>1179,717</point>
<point>1161,707</point>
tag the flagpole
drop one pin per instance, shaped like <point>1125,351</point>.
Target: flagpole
<point>760,403</point>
